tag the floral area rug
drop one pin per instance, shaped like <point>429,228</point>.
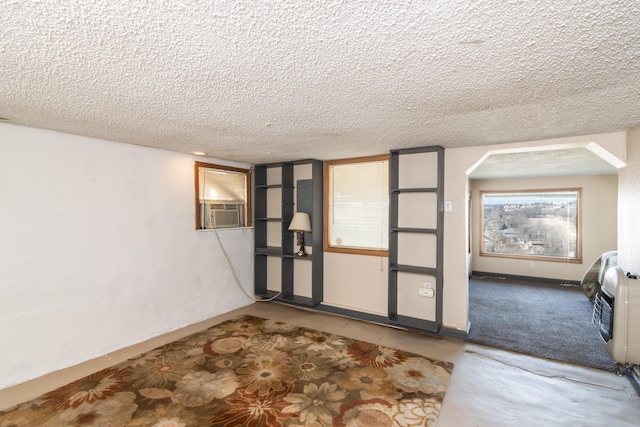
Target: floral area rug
<point>251,372</point>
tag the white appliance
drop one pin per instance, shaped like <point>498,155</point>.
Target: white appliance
<point>223,215</point>
<point>616,313</point>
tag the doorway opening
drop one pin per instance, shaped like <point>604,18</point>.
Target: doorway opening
<point>530,304</point>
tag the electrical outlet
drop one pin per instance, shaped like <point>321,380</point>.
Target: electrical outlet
<point>426,292</point>
<point>532,264</point>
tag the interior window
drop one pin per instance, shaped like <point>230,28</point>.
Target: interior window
<point>357,205</point>
<point>222,196</point>
<point>543,224</point>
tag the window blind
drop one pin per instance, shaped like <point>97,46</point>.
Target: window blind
<point>359,205</point>
<point>221,186</point>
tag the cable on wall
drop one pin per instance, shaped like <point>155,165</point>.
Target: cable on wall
<point>235,274</point>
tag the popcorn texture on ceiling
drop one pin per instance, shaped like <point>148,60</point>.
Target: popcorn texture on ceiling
<point>260,81</point>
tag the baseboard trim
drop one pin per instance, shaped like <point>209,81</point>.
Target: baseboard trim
<point>381,320</point>
<point>355,314</point>
<point>456,334</point>
<point>481,274</point>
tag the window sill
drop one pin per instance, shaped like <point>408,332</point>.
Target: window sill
<point>353,251</point>
<point>207,230</point>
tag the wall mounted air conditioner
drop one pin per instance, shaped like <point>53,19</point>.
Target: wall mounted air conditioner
<point>223,215</point>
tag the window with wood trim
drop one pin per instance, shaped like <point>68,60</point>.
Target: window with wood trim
<point>357,205</point>
<point>532,224</point>
<point>223,198</point>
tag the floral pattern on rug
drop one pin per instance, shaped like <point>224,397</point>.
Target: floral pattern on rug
<point>250,372</point>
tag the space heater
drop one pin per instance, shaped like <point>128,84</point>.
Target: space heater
<point>616,314</point>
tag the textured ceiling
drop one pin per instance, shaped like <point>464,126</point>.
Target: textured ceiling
<point>531,164</point>
<point>260,81</point>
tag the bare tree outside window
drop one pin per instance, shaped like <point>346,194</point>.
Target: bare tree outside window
<point>541,224</point>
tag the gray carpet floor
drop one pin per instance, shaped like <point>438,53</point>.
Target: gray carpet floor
<point>539,319</point>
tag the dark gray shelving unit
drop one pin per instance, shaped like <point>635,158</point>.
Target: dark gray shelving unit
<point>285,252</point>
<point>395,265</point>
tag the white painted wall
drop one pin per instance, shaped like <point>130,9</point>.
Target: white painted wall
<point>357,282</point>
<point>629,206</point>
<point>98,250</point>
<point>599,224</point>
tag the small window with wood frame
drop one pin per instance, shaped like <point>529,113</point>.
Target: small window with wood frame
<point>532,224</point>
<point>356,198</point>
<point>223,198</point>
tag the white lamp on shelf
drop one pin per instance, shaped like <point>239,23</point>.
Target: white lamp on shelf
<point>301,223</point>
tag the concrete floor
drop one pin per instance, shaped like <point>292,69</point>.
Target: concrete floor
<point>489,387</point>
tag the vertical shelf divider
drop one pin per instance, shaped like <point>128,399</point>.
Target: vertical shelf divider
<point>286,251</point>
<point>287,236</point>
<point>260,230</point>
<point>395,265</point>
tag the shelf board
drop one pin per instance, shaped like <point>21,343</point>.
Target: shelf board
<point>413,230</point>
<point>270,294</point>
<point>414,323</point>
<point>294,256</point>
<point>273,219</point>
<point>415,190</point>
<point>269,186</point>
<point>293,299</point>
<point>299,300</point>
<point>413,269</point>
<point>269,250</point>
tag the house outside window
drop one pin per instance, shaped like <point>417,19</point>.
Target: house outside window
<point>540,224</point>
<point>357,205</point>
<point>222,196</point>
